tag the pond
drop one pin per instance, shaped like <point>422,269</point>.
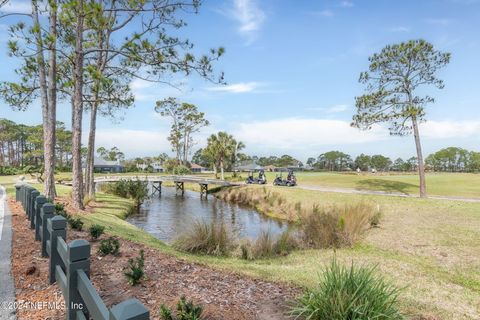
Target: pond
<point>169,215</point>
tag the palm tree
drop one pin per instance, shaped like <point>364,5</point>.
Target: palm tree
<point>222,147</point>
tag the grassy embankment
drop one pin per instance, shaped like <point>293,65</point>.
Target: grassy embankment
<point>430,247</point>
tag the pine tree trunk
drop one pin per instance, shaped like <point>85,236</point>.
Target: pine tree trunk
<point>49,140</point>
<point>77,110</point>
<point>48,115</point>
<point>421,165</point>
<point>89,166</point>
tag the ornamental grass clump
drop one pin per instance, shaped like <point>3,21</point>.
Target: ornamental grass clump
<point>337,226</point>
<point>349,293</point>
<point>206,238</point>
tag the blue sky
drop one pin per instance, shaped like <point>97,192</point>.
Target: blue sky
<point>292,69</point>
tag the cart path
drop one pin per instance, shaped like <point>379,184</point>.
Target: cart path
<point>381,193</point>
<point>7,289</point>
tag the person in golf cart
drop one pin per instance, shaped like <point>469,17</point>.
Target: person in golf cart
<point>291,178</point>
<point>262,179</point>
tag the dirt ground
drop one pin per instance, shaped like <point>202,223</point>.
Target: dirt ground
<point>224,295</point>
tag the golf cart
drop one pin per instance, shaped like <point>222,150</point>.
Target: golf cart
<point>262,179</point>
<point>291,180</point>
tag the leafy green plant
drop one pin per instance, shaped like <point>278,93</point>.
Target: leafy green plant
<point>96,230</point>
<point>109,246</point>
<point>75,223</point>
<point>206,238</point>
<point>186,310</point>
<point>135,270</point>
<point>60,210</point>
<point>181,170</point>
<point>349,293</point>
<point>137,190</point>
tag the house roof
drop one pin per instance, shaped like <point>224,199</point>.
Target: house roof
<point>196,166</point>
<point>102,162</point>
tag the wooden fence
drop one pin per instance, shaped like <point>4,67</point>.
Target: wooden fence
<point>70,263</point>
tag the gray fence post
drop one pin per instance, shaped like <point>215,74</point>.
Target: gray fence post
<point>130,309</point>
<point>78,259</point>
<point>39,202</point>
<point>17,192</point>
<point>27,201</point>
<point>46,213</point>
<point>57,227</point>
<point>33,196</point>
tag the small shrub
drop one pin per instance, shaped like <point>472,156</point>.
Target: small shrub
<point>349,293</point>
<point>109,246</point>
<point>336,226</point>
<point>268,246</point>
<point>285,243</point>
<point>60,210</point>
<point>186,310</point>
<point>181,170</point>
<point>130,189</point>
<point>206,238</point>
<point>75,223</point>
<point>263,246</point>
<point>375,218</point>
<point>135,272</point>
<point>96,231</point>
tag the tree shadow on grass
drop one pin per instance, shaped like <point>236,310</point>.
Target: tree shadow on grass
<point>385,185</point>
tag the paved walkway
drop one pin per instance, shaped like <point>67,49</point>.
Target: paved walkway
<point>381,193</point>
<point>7,289</point>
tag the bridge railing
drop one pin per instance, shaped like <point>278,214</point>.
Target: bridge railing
<point>69,263</point>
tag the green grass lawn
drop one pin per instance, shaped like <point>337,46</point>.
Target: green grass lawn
<point>440,184</point>
<point>429,247</point>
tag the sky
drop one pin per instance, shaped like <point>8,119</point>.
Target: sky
<point>292,71</point>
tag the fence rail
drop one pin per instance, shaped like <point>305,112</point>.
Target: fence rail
<point>69,264</point>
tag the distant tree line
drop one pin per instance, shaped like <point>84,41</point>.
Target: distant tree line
<point>22,145</point>
<point>450,159</point>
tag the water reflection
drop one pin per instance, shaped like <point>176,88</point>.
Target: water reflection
<point>168,216</point>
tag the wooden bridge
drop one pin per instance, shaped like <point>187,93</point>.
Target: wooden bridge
<point>179,181</point>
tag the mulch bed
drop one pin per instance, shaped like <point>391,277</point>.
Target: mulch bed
<point>223,294</point>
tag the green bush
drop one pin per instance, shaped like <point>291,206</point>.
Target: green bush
<point>130,189</point>
<point>135,272</point>
<point>109,246</point>
<point>206,238</point>
<point>75,223</point>
<point>60,210</point>
<point>181,170</point>
<point>96,231</point>
<point>186,310</point>
<point>349,293</point>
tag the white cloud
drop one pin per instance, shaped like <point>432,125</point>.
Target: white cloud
<point>302,134</point>
<point>17,7</point>
<point>134,142</point>
<point>450,129</point>
<point>333,109</point>
<point>346,4</point>
<point>250,17</point>
<point>324,13</point>
<point>439,22</point>
<point>400,29</point>
<point>241,87</point>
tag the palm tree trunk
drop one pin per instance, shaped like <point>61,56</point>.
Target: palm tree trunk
<point>221,170</point>
<point>421,165</point>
